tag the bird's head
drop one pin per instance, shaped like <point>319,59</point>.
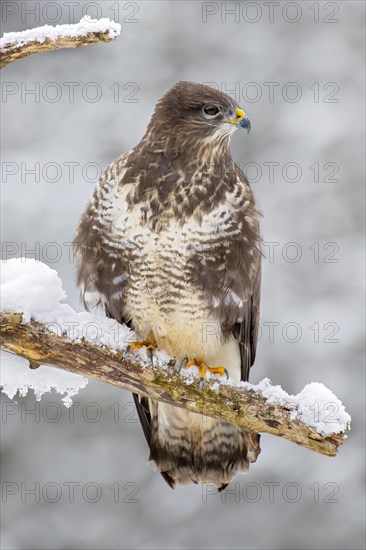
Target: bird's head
<point>199,112</point>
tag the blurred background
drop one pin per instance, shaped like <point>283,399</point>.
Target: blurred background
<point>298,71</point>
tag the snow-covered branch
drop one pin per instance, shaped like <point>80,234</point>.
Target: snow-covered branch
<point>16,45</point>
<point>37,326</point>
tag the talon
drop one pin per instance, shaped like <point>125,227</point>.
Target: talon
<point>203,369</point>
<point>150,352</point>
<point>148,343</point>
<point>183,363</point>
<point>128,349</point>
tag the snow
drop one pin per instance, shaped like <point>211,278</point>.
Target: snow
<point>315,405</point>
<point>32,288</point>
<point>321,409</point>
<point>40,34</point>
<point>16,376</point>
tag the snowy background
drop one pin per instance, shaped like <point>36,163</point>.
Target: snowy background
<point>67,115</point>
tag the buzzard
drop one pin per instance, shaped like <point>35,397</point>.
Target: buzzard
<point>170,245</point>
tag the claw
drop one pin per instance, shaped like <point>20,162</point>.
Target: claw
<point>148,343</point>
<point>203,369</point>
<point>150,352</point>
<point>183,363</point>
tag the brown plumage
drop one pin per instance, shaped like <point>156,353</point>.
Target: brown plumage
<point>170,245</point>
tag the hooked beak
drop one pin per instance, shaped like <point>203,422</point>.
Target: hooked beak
<point>240,120</point>
<point>245,123</point>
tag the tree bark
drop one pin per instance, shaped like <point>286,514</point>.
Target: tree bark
<point>11,52</point>
<point>243,407</point>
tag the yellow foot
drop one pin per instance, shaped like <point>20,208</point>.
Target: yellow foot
<point>148,343</point>
<point>203,369</point>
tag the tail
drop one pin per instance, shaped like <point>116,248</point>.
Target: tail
<point>187,447</point>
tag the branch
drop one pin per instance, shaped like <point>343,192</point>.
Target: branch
<point>16,45</point>
<point>245,407</point>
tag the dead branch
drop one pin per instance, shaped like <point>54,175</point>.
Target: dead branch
<point>14,50</point>
<point>245,408</point>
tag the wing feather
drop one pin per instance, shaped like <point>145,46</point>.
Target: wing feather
<point>246,333</point>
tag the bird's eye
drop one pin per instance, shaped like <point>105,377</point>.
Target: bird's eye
<point>211,110</point>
